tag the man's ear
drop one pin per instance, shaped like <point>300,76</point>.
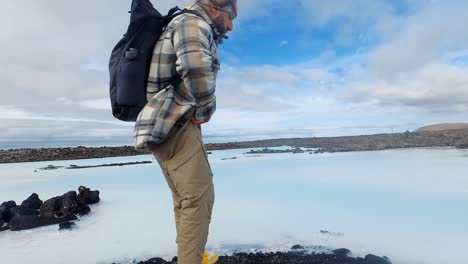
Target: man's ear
<point>213,12</point>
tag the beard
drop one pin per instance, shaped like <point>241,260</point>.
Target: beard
<point>220,27</point>
<point>222,30</point>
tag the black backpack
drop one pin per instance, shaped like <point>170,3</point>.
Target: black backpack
<point>131,58</point>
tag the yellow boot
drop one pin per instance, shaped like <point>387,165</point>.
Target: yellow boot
<point>210,260</point>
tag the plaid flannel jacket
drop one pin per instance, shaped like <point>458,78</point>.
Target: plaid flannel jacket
<point>186,49</point>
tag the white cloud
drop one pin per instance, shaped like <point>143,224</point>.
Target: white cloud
<point>424,37</point>
<point>101,104</point>
<point>435,87</point>
<point>355,12</point>
<point>50,129</point>
<point>319,74</point>
<point>261,74</point>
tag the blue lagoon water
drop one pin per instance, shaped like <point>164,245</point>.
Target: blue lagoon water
<point>410,205</point>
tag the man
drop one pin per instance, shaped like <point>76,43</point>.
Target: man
<point>181,97</point>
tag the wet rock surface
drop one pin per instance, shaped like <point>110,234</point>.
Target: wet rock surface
<point>33,213</point>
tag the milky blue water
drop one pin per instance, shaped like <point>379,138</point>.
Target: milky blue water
<point>410,205</point>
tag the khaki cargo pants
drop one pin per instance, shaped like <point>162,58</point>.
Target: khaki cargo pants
<point>184,162</point>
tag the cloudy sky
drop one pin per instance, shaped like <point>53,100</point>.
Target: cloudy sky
<point>291,68</point>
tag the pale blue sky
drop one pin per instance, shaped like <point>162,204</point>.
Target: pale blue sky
<point>290,69</point>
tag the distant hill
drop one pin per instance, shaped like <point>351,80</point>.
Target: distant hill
<point>443,127</point>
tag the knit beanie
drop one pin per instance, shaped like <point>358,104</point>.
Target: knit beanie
<point>229,6</point>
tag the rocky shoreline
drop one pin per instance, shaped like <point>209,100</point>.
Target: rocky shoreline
<point>297,255</point>
<point>451,138</point>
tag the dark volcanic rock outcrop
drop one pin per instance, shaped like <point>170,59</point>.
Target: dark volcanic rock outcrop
<point>343,252</point>
<point>70,203</point>
<point>32,202</point>
<point>61,205</point>
<point>297,247</point>
<point>87,196</point>
<point>19,211</point>
<point>34,221</point>
<point>372,259</point>
<point>56,210</point>
<point>83,210</point>
<point>5,210</point>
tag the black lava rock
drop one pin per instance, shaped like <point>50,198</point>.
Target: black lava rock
<point>33,221</point>
<point>7,205</point>
<point>61,205</point>
<point>67,226</point>
<point>281,258</point>
<point>154,261</point>
<point>32,202</point>
<point>87,196</point>
<point>297,247</point>
<point>342,252</point>
<point>83,210</point>
<point>5,210</point>
<point>49,207</point>
<point>56,210</point>
<point>25,222</point>
<point>69,204</point>
<point>372,259</point>
<point>3,225</point>
<point>19,211</point>
<point>287,258</point>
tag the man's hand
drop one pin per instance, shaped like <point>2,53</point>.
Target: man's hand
<point>199,122</point>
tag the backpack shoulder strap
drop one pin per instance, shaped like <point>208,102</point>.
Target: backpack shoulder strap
<point>175,11</point>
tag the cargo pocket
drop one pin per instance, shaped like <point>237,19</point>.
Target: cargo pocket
<point>205,151</point>
<point>190,172</point>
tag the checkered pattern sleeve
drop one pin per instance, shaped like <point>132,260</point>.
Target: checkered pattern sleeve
<point>193,40</point>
